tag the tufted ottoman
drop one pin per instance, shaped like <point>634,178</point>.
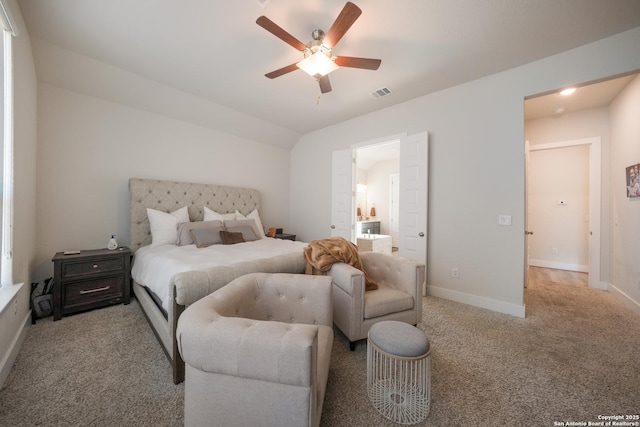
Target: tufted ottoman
<point>399,371</point>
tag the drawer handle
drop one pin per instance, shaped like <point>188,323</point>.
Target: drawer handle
<point>90,291</point>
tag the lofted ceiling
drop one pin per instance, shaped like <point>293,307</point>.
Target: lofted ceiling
<point>214,51</point>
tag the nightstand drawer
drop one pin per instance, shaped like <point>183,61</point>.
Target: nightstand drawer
<point>89,291</point>
<point>72,269</point>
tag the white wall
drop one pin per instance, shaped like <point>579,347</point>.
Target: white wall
<point>379,190</point>
<point>25,133</point>
<point>361,196</point>
<point>14,320</point>
<point>625,224</point>
<point>88,148</point>
<point>476,169</point>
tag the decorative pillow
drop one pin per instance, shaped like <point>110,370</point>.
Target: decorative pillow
<point>245,226</point>
<point>211,215</point>
<point>164,226</point>
<point>184,229</point>
<point>204,237</point>
<point>229,237</point>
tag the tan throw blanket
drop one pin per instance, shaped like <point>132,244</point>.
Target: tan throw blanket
<point>322,254</point>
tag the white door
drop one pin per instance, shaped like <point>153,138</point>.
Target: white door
<point>594,197</point>
<point>527,232</point>
<point>413,197</point>
<point>394,208</point>
<point>342,194</point>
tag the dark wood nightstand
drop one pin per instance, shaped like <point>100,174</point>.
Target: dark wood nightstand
<point>90,279</point>
<point>285,236</point>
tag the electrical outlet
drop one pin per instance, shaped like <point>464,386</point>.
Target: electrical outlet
<point>504,219</point>
<point>455,272</point>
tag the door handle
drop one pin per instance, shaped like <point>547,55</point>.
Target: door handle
<point>421,234</point>
<point>528,233</point>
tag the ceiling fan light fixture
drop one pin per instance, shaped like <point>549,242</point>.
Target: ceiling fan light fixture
<point>318,64</point>
<point>318,60</point>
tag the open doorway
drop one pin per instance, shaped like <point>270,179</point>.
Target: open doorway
<point>561,129</point>
<point>413,196</point>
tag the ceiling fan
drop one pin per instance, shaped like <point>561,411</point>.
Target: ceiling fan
<point>318,59</point>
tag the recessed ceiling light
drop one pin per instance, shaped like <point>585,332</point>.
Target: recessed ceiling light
<point>568,91</point>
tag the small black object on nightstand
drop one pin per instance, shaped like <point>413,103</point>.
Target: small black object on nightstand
<point>285,236</point>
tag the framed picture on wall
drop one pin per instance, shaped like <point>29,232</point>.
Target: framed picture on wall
<point>633,180</point>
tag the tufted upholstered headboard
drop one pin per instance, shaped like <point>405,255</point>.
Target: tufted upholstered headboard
<point>167,196</point>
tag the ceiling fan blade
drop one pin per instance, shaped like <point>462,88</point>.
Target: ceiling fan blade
<point>277,31</point>
<point>281,71</point>
<point>325,84</point>
<point>350,12</point>
<point>350,61</point>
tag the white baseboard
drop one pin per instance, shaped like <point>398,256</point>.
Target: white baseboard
<point>482,302</point>
<point>624,298</point>
<point>9,357</point>
<point>558,265</point>
<point>602,286</point>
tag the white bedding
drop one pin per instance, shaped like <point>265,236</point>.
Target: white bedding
<point>154,266</point>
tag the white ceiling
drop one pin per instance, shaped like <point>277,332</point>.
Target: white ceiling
<point>214,50</point>
<point>587,96</point>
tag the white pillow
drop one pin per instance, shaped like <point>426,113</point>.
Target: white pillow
<point>211,215</point>
<point>164,226</point>
<point>256,217</point>
<point>245,226</point>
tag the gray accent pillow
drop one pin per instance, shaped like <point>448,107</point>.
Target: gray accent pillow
<point>247,227</point>
<point>230,238</point>
<point>206,237</point>
<point>185,228</point>
<point>184,235</point>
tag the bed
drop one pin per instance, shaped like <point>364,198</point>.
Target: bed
<point>169,277</point>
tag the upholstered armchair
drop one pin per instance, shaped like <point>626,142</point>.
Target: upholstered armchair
<point>398,297</point>
<point>257,352</point>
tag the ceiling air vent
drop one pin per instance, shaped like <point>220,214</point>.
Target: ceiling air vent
<point>379,93</point>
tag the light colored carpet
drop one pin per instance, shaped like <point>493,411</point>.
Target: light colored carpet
<point>99,368</point>
<point>573,358</point>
